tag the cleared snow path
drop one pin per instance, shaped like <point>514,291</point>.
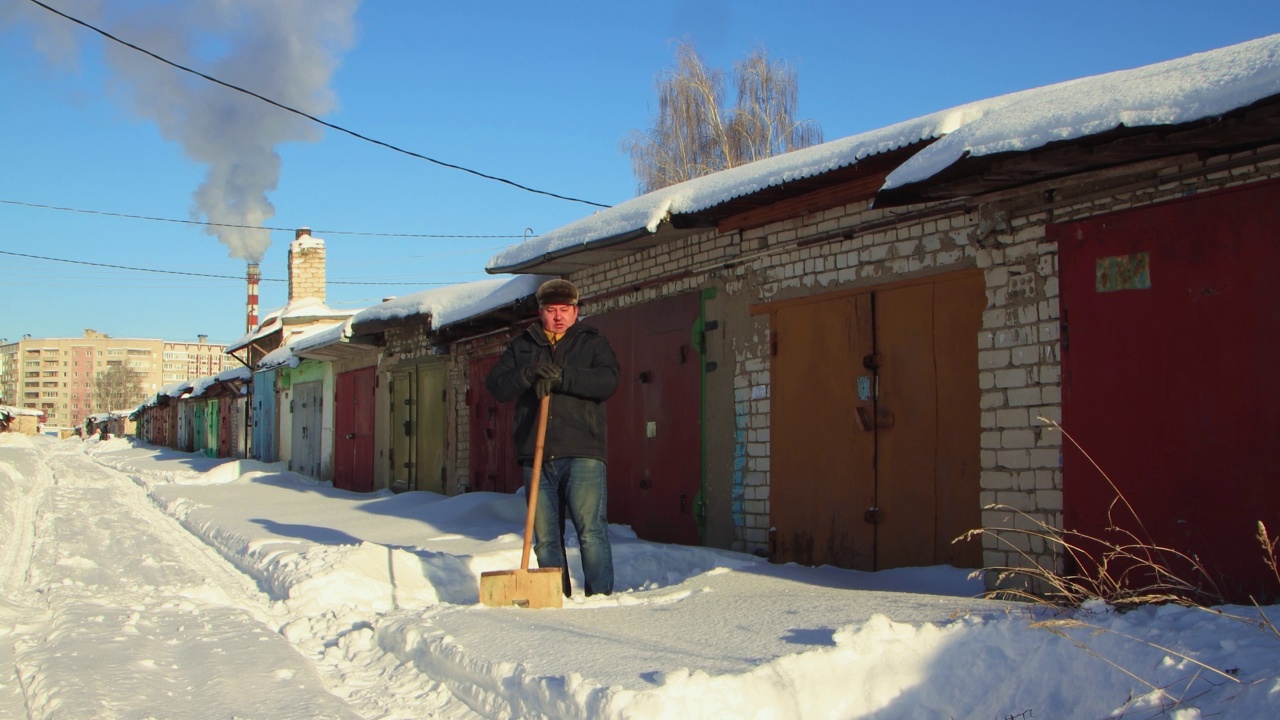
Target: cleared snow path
<point>140,582</point>
<point>96,575</point>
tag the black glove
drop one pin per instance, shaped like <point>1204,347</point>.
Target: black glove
<point>548,377</point>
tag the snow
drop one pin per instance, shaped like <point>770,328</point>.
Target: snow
<point>140,582</point>
<point>649,211</point>
<point>284,355</point>
<point>1192,88</point>
<point>455,303</point>
<point>320,336</point>
<point>301,312</point>
<point>200,386</point>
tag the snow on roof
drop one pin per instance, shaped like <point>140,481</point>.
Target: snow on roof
<point>648,211</point>
<point>235,373</point>
<point>278,358</point>
<point>328,336</point>
<point>298,311</point>
<point>307,241</point>
<point>202,385</point>
<point>1182,90</point>
<point>199,386</point>
<point>284,354</point>
<point>1190,88</point>
<point>455,303</point>
<point>16,411</point>
<point>175,389</point>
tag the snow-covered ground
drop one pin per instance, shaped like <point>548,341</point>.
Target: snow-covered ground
<point>137,582</point>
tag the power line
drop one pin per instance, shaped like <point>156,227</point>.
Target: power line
<point>312,118</point>
<point>258,227</point>
<point>203,275</point>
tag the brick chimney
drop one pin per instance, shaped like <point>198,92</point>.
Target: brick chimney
<point>306,266</point>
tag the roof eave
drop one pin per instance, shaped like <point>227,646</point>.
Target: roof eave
<point>592,253</point>
<point>976,176</point>
<point>352,349</point>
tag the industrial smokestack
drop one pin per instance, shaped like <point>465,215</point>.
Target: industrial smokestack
<point>251,306</point>
<point>286,51</point>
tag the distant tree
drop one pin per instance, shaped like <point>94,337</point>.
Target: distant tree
<point>695,134</point>
<point>117,388</point>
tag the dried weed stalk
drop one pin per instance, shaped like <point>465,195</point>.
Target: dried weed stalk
<point>1125,570</point>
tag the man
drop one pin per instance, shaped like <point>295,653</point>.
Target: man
<point>574,364</point>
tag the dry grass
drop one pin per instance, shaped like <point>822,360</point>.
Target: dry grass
<point>1126,569</point>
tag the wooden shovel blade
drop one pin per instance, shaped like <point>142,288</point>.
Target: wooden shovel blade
<point>535,589</point>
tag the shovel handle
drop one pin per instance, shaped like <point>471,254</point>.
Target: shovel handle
<point>544,409</point>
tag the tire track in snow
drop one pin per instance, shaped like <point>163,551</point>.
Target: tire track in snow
<point>340,645</point>
<point>23,479</point>
<point>164,626</point>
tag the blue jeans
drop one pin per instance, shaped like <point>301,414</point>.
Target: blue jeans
<point>574,487</point>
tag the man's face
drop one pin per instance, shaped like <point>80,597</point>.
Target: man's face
<point>558,318</point>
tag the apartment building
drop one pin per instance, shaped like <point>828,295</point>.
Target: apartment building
<point>58,375</point>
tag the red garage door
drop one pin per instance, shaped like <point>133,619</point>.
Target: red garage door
<point>353,430</point>
<point>1170,333</point>
<point>655,421</point>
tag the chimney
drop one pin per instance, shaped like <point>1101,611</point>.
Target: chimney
<point>202,338</point>
<point>306,266</point>
<point>251,305</point>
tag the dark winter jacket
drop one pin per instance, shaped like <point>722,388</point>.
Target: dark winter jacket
<point>576,425</point>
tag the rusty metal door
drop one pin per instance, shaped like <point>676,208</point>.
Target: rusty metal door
<point>928,473</point>
<point>492,452</point>
<point>822,463</point>
<point>402,430</point>
<point>264,416</point>
<point>655,418</point>
<point>876,427</point>
<point>418,433</point>
<point>225,410</point>
<point>306,409</point>
<point>430,437</point>
<point>200,426</point>
<point>1170,330</point>
<point>353,422</point>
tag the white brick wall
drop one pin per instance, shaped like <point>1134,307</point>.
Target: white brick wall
<point>1018,346</point>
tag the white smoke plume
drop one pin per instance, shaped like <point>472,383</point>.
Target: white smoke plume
<point>286,50</point>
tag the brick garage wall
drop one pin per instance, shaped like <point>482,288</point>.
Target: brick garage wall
<point>1018,347</point>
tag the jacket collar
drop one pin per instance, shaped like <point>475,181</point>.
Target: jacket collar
<point>535,331</point>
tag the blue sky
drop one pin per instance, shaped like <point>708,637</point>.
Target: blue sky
<point>538,93</point>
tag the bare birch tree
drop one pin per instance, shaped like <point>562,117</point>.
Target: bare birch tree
<point>695,134</point>
<point>117,388</point>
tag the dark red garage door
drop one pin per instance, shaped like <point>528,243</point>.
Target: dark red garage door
<point>1170,334</point>
<point>655,439</point>
<point>353,426</point>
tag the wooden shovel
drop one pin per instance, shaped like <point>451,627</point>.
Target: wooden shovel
<point>540,587</point>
